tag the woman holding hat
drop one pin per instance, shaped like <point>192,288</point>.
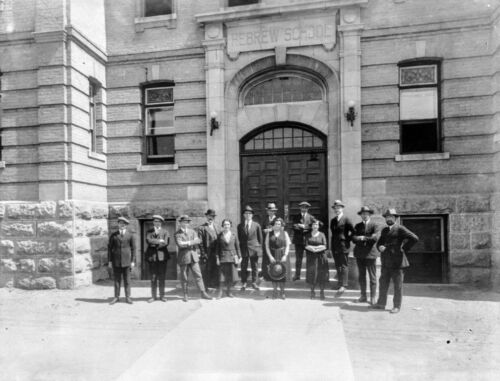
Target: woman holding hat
<point>277,248</point>
<point>316,259</point>
<point>228,257</point>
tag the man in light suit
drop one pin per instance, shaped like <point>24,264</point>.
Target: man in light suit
<point>365,237</point>
<point>187,241</point>
<point>208,233</point>
<point>250,237</point>
<point>157,256</point>
<point>395,240</point>
<point>121,257</point>
<point>342,231</point>
<point>300,230</point>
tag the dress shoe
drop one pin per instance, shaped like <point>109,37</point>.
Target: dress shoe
<point>204,295</point>
<point>322,295</point>
<point>128,301</point>
<point>377,307</point>
<point>313,294</point>
<point>275,294</point>
<point>218,294</point>
<point>395,310</point>
<point>229,294</point>
<point>243,288</point>
<point>255,287</point>
<point>151,300</point>
<point>184,293</point>
<point>362,299</point>
<point>283,296</point>
<point>163,299</point>
<point>296,277</point>
<point>114,300</point>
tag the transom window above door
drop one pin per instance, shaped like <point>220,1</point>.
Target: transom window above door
<point>283,88</point>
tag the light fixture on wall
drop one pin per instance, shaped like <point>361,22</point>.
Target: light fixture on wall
<point>214,123</point>
<point>350,115</point>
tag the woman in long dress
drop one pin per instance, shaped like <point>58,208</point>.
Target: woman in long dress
<point>316,260</point>
<point>277,248</point>
<point>228,258</point>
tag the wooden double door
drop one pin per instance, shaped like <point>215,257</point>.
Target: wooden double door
<point>285,179</point>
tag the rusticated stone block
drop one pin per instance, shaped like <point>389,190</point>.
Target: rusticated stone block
<point>116,211</point>
<point>471,222</point>
<point>6,280</point>
<point>43,283</point>
<point>481,241</point>
<point>18,229</point>
<point>82,245</point>
<point>83,262</point>
<point>65,266</point>
<point>478,258</point>
<point>6,247</point>
<point>100,273</point>
<point>87,210</point>
<point>24,283</point>
<point>471,275</point>
<point>96,260</point>
<point>92,228</point>
<point>65,248</point>
<point>55,229</point>
<point>45,209</point>
<point>27,265</point>
<point>76,281</point>
<point>35,248</point>
<point>430,204</point>
<point>460,241</point>
<point>100,212</point>
<point>99,243</point>
<point>65,209</point>
<point>8,265</point>
<point>2,211</point>
<point>47,265</point>
<point>468,204</point>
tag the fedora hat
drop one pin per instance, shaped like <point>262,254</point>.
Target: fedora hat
<point>158,217</point>
<point>248,209</point>
<point>123,219</point>
<point>390,212</point>
<point>271,206</point>
<point>366,209</point>
<point>305,203</point>
<point>184,217</point>
<point>277,271</point>
<point>210,212</point>
<point>338,203</point>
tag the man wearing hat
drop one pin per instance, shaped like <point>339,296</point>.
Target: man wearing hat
<point>251,241</point>
<point>157,256</point>
<point>187,241</point>
<point>121,257</point>
<point>365,237</point>
<point>342,231</point>
<point>300,229</point>
<point>395,240</point>
<point>208,233</point>
<point>267,226</point>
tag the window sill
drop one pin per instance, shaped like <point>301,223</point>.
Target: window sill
<point>97,156</point>
<point>423,156</point>
<point>157,167</point>
<point>2,164</point>
<point>167,21</point>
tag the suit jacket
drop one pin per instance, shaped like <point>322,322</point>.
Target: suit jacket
<point>397,241</point>
<point>342,232</point>
<point>208,238</point>
<point>155,246</point>
<point>121,250</point>
<point>186,253</point>
<point>228,251</point>
<point>366,248</point>
<point>299,234</point>
<point>251,243</point>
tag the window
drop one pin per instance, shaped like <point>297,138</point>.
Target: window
<point>283,89</point>
<point>93,88</point>
<point>285,138</point>
<point>157,7</point>
<point>159,124</point>
<point>236,3</point>
<point>419,107</point>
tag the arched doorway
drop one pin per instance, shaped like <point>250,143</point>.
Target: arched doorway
<point>285,163</point>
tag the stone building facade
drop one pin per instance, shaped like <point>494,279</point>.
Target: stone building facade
<point>141,107</point>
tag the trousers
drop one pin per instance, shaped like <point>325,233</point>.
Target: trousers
<point>158,270</point>
<point>254,259</point>
<point>367,265</point>
<point>299,254</point>
<point>397,276</point>
<point>195,269</point>
<point>341,257</point>
<point>118,274</point>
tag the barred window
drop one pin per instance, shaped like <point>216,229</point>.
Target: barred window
<point>419,107</point>
<point>159,124</point>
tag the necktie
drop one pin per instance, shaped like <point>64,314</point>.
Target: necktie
<point>122,232</point>
<point>247,227</point>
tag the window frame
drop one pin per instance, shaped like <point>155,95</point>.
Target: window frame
<point>157,159</point>
<point>421,62</point>
<point>242,5</point>
<point>143,10</point>
<point>93,90</point>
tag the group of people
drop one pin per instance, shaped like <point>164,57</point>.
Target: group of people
<point>213,253</point>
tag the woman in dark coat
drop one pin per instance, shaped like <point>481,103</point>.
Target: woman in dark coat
<point>316,260</point>
<point>277,248</point>
<point>228,258</point>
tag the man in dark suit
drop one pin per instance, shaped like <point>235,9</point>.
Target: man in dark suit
<point>187,241</point>
<point>365,237</point>
<point>301,224</point>
<point>121,257</point>
<point>157,256</point>
<point>342,231</point>
<point>395,240</point>
<point>208,233</point>
<point>267,227</point>
<point>251,241</point>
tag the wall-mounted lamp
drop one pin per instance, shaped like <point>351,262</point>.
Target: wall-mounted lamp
<point>214,123</point>
<point>350,115</point>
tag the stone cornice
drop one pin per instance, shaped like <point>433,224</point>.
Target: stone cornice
<point>81,40</point>
<point>264,11</point>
